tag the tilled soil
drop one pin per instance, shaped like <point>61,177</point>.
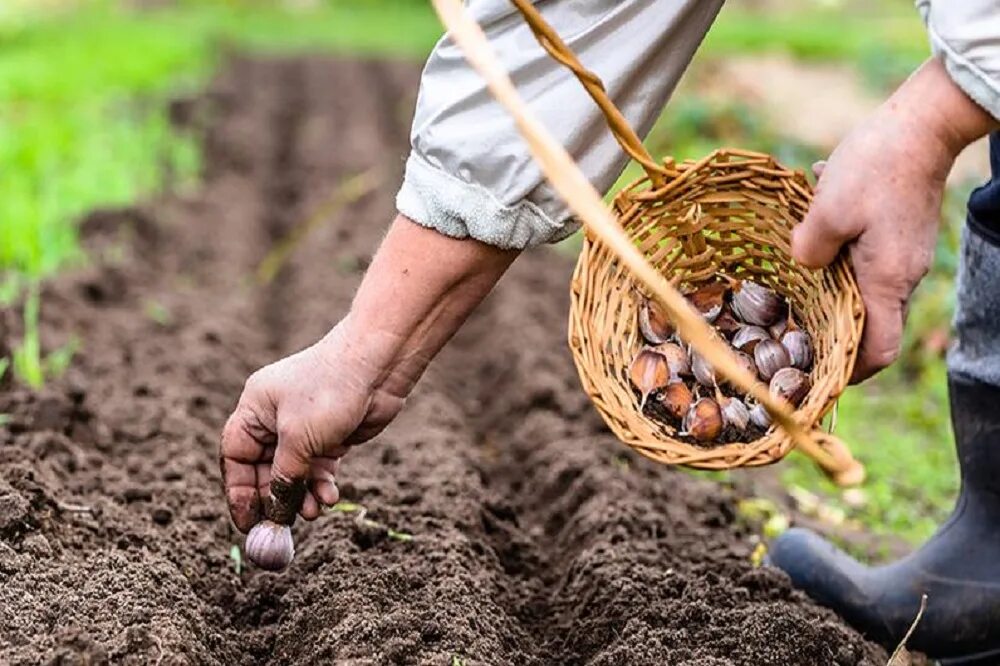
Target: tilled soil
<point>537,538</point>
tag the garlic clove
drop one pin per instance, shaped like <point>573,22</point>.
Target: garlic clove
<point>778,328</point>
<point>703,420</point>
<point>756,304</point>
<point>649,372</point>
<point>748,336</point>
<point>735,414</point>
<point>676,399</point>
<point>746,362</point>
<point>770,356</point>
<point>799,347</point>
<point>726,323</point>
<point>709,299</point>
<point>760,417</point>
<point>703,372</point>
<point>790,384</point>
<point>654,323</point>
<point>678,361</point>
<point>269,545</point>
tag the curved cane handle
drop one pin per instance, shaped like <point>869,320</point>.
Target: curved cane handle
<point>620,127</point>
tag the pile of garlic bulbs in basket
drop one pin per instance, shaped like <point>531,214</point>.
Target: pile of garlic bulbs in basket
<point>679,387</point>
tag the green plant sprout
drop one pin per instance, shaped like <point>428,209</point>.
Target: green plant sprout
<point>236,555</point>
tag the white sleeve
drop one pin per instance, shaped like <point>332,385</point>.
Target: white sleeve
<point>470,175</point>
<point>966,35</point>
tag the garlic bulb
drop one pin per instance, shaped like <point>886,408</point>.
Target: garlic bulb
<point>756,304</point>
<point>790,384</point>
<point>269,545</point>
<point>654,323</point>
<point>770,356</point>
<point>799,348</point>
<point>748,336</point>
<point>703,421</point>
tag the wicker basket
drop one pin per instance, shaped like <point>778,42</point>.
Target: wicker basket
<point>730,213</point>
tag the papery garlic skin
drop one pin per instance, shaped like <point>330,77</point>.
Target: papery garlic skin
<point>790,384</point>
<point>799,348</point>
<point>703,421</point>
<point>756,304</point>
<point>770,356</point>
<point>760,417</point>
<point>270,546</point>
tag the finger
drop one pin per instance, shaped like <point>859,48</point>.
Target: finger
<point>324,484</point>
<point>818,168</point>
<point>326,492</point>
<point>242,496</point>
<point>881,338</point>
<point>239,450</point>
<point>818,240</point>
<point>310,507</point>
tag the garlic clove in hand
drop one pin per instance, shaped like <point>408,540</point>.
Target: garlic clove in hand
<point>269,545</point>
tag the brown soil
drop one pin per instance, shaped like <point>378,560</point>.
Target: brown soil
<point>537,539</point>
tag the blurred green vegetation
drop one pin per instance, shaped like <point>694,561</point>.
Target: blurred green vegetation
<point>83,92</point>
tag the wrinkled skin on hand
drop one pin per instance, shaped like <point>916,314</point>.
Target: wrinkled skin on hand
<point>297,417</point>
<point>880,196</point>
<point>318,403</point>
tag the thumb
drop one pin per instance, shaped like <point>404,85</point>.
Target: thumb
<point>289,474</point>
<point>881,338</point>
<point>818,240</point>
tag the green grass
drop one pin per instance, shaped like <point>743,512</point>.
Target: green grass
<point>83,109</point>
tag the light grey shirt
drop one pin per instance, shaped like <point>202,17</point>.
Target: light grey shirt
<point>470,175</point>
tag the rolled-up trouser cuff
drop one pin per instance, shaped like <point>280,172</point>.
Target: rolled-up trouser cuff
<point>438,200</point>
<point>976,352</point>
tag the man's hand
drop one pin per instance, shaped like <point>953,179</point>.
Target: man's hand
<point>880,194</point>
<point>298,416</point>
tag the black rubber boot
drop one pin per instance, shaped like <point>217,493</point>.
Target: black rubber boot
<point>958,568</point>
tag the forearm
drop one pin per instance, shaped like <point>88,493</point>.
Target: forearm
<point>419,289</point>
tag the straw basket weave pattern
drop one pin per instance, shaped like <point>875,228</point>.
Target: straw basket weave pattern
<point>731,213</point>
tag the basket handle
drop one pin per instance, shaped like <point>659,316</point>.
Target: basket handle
<point>620,127</point>
<point>587,204</point>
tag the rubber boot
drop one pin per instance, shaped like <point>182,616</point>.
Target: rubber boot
<point>958,568</point>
